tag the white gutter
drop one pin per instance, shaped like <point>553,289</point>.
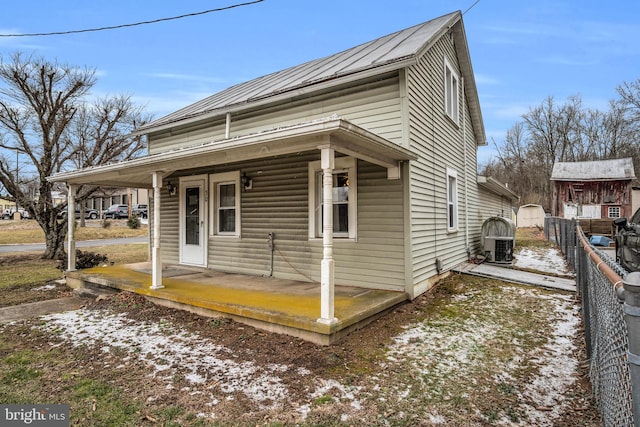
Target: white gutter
<point>493,185</point>
<point>227,126</point>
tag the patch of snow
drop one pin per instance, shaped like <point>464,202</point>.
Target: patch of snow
<point>44,288</point>
<point>344,392</point>
<point>437,419</point>
<point>203,415</point>
<point>441,352</point>
<point>302,371</point>
<point>161,348</point>
<point>557,364</point>
<point>449,352</point>
<point>206,365</point>
<point>545,260</point>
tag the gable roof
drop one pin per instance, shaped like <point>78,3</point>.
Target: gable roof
<point>388,53</point>
<point>599,170</point>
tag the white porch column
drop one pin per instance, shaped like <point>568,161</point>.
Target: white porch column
<point>71,219</point>
<point>156,261</point>
<point>327,273</point>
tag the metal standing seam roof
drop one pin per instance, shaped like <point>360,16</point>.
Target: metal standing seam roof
<point>403,45</point>
<point>599,170</point>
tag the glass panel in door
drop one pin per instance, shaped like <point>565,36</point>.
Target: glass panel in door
<point>192,216</point>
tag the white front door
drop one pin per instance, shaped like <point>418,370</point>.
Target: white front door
<point>193,220</point>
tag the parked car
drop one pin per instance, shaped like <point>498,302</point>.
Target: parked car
<point>628,242</point>
<point>8,213</point>
<point>88,214</point>
<point>116,212</point>
<point>140,211</point>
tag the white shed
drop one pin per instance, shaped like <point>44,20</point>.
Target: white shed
<point>530,216</point>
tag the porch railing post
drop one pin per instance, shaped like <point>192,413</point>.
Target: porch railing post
<point>327,273</point>
<point>71,220</point>
<point>632,318</point>
<point>156,261</point>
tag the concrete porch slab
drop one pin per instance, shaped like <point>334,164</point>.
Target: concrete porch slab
<point>276,305</point>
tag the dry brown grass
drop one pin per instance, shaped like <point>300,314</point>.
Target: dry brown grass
<point>532,237</point>
<point>28,269</point>
<point>28,231</point>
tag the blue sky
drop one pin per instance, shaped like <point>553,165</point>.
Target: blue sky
<point>522,51</point>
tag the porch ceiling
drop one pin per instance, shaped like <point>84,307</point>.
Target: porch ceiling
<point>339,134</point>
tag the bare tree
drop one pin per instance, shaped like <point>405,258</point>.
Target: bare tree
<point>551,133</point>
<point>45,117</point>
<point>630,101</point>
<point>630,94</point>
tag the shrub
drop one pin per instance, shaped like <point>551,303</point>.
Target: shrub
<point>105,223</point>
<point>133,222</point>
<point>84,260</point>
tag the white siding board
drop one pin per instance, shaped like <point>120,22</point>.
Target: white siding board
<point>372,105</point>
<point>439,145</point>
<point>278,203</point>
<point>169,239</point>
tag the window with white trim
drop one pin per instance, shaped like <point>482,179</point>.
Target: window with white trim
<point>614,212</point>
<point>225,203</point>
<point>344,199</point>
<point>452,200</point>
<point>451,91</point>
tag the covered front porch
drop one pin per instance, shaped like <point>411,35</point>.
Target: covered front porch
<point>186,225</point>
<point>276,305</point>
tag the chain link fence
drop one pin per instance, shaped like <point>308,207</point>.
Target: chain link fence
<point>599,284</point>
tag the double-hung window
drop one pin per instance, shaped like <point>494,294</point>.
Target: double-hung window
<point>225,203</point>
<point>344,195</point>
<point>451,91</point>
<point>452,200</point>
<point>614,212</point>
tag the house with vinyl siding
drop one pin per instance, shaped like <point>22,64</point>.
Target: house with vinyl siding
<point>357,169</point>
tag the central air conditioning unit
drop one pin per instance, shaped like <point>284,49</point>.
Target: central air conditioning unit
<point>498,238</point>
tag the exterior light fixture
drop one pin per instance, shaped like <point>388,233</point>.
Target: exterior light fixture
<point>247,183</point>
<point>171,188</point>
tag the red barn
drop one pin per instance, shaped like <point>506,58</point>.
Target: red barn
<point>597,189</point>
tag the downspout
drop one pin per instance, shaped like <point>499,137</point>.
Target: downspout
<point>433,180</point>
<point>466,177</point>
<point>227,126</point>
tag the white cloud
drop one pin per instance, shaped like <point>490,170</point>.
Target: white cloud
<point>186,77</point>
<point>573,61</point>
<point>483,79</point>
<point>505,111</point>
<point>162,104</point>
<point>18,43</point>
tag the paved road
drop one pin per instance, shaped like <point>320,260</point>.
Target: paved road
<point>33,247</point>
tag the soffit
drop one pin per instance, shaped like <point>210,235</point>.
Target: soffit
<point>333,132</point>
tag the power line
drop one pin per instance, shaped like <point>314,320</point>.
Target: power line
<point>115,27</point>
<point>471,7</point>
